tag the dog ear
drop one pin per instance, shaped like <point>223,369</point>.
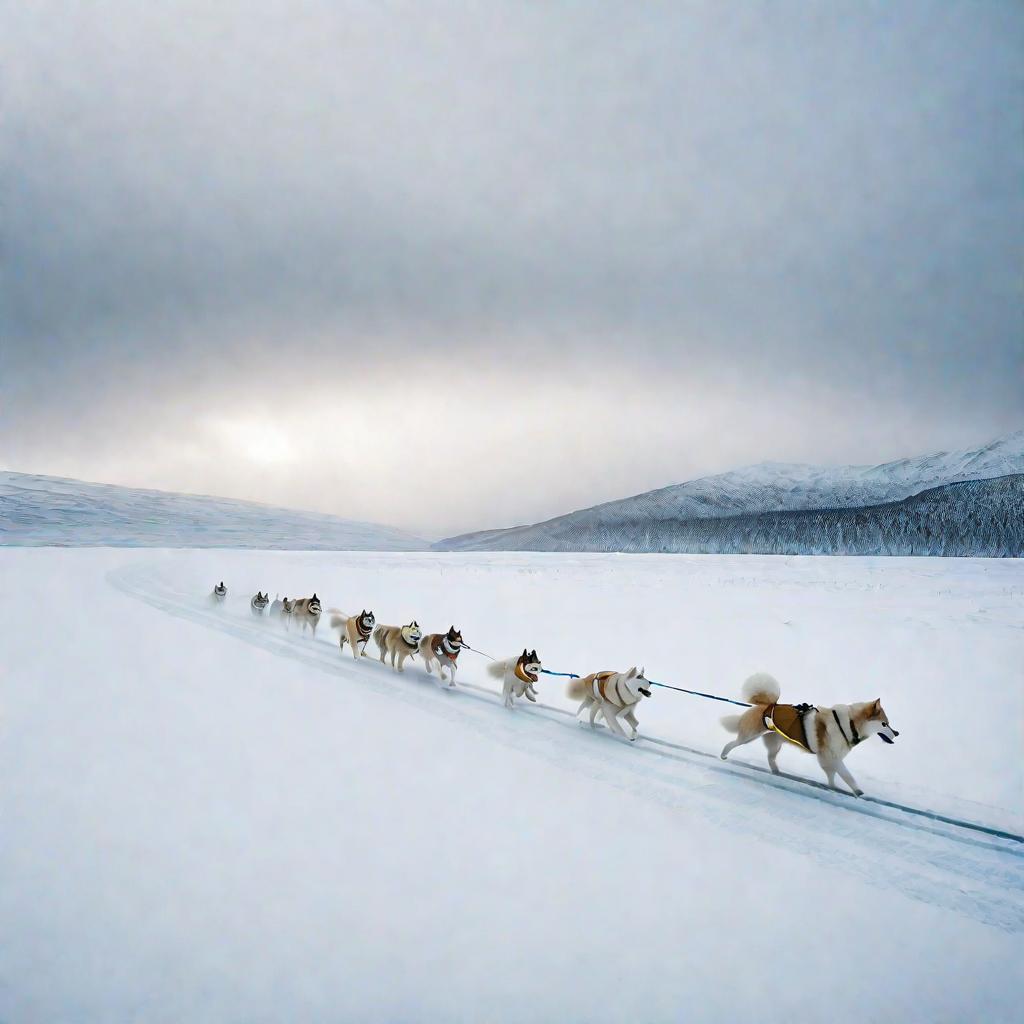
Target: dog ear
<point>631,672</point>
<point>642,671</point>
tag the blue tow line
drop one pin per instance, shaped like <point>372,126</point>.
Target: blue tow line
<point>665,686</point>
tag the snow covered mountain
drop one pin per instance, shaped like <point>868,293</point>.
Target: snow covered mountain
<point>726,512</point>
<point>47,510</point>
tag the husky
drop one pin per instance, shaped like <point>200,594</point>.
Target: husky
<point>356,629</point>
<point>828,733</point>
<point>518,676</point>
<point>259,602</point>
<point>613,694</point>
<point>282,608</point>
<point>306,611</point>
<point>400,642</point>
<point>444,649</point>
<point>220,592</point>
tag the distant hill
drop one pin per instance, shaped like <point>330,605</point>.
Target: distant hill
<point>794,509</point>
<point>52,511</point>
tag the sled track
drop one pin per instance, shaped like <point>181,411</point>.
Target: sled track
<point>973,869</point>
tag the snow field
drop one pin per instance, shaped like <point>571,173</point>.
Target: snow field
<point>205,818</point>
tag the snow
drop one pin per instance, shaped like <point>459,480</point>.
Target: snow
<point>753,490</point>
<point>44,510</point>
<point>206,818</point>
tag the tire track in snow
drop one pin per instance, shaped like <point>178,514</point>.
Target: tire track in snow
<point>980,880</point>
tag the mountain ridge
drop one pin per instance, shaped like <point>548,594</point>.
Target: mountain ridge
<point>758,489</point>
<point>39,510</point>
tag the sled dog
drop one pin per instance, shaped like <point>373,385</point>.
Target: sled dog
<point>444,649</point>
<point>614,694</point>
<point>400,642</point>
<point>219,593</point>
<point>259,602</point>
<point>356,629</point>
<point>518,676</point>
<point>828,733</point>
<point>282,608</point>
<point>306,611</point>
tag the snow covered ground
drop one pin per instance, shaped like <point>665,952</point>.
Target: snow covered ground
<point>205,818</point>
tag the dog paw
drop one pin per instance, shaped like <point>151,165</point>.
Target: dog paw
<point>858,792</point>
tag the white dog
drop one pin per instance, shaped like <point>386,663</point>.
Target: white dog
<point>518,676</point>
<point>828,733</point>
<point>613,694</point>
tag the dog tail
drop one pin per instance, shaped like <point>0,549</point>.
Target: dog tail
<point>378,636</point>
<point>731,722</point>
<point>338,619</point>
<point>497,668</point>
<point>578,689</point>
<point>761,689</point>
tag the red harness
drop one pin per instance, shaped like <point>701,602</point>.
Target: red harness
<point>438,649</point>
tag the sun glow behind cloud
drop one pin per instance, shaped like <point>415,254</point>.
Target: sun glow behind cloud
<point>260,441</point>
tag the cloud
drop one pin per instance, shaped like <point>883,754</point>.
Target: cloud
<point>722,206</point>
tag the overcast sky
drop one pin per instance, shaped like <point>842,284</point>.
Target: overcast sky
<point>455,266</point>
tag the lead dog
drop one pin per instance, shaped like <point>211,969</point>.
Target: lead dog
<point>518,676</point>
<point>259,602</point>
<point>356,629</point>
<point>220,592</point>
<point>828,733</point>
<point>614,694</point>
<point>306,611</point>
<point>444,649</point>
<point>400,642</point>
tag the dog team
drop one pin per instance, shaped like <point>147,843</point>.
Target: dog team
<point>829,733</point>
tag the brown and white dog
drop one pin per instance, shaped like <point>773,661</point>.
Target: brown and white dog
<point>614,694</point>
<point>306,611</point>
<point>828,733</point>
<point>444,649</point>
<point>518,676</point>
<point>399,642</point>
<point>356,629</point>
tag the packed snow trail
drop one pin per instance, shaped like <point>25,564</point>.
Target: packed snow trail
<point>935,863</point>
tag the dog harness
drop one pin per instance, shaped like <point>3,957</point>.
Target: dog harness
<point>604,688</point>
<point>363,628</point>
<point>853,730</point>
<point>522,674</point>
<point>411,644</point>
<point>442,645</point>
<point>788,721</point>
